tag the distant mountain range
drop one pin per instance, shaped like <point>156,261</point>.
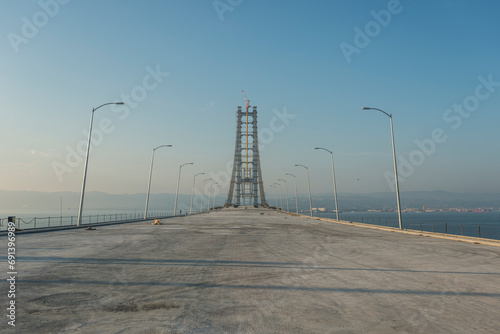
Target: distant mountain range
<point>31,200</point>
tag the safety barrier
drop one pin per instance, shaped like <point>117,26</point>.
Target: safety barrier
<point>44,222</point>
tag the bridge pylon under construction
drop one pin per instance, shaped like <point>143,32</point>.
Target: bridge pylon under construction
<point>246,186</point>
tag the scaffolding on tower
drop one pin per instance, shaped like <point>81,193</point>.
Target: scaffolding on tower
<point>246,185</point>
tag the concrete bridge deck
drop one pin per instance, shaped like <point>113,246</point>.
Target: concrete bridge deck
<point>251,271</point>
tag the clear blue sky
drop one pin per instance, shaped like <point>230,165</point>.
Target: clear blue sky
<point>286,55</point>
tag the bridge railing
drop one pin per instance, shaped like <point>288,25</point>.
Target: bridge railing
<point>487,231</point>
<point>59,221</point>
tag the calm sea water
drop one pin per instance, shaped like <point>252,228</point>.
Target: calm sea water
<point>475,224</point>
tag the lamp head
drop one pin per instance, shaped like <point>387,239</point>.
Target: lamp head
<point>154,149</point>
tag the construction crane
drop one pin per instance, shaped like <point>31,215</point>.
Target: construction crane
<point>247,106</point>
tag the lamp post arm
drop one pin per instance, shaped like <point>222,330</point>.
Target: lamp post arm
<point>154,149</point>
<point>324,149</point>
<point>368,108</point>
<point>105,104</point>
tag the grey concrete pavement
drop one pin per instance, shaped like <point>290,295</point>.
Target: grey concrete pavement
<point>251,271</point>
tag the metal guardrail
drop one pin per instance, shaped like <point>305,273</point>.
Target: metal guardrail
<point>471,230</point>
<point>44,222</point>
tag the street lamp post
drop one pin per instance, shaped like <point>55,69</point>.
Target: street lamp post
<point>208,193</point>
<point>281,198</point>
<point>275,194</point>
<point>309,186</point>
<point>296,200</point>
<point>210,187</point>
<point>178,181</point>
<point>395,165</point>
<point>203,193</point>
<point>80,210</point>
<point>213,202</point>
<point>192,191</point>
<point>334,184</point>
<point>149,182</point>
<point>286,189</point>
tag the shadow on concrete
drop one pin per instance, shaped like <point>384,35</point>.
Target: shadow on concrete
<point>267,287</point>
<point>222,263</point>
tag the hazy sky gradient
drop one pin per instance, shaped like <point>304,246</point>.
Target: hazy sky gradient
<point>286,55</point>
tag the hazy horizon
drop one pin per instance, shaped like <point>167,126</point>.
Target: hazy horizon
<point>22,201</point>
